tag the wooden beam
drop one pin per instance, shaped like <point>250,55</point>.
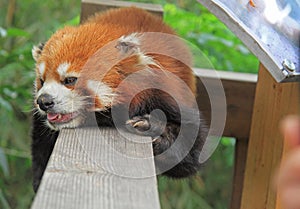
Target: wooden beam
<point>90,7</point>
<point>239,91</point>
<point>86,171</point>
<point>273,101</point>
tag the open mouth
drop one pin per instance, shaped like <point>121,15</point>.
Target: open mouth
<point>61,118</point>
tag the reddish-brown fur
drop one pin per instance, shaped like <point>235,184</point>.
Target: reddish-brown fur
<point>76,45</point>
<point>94,52</point>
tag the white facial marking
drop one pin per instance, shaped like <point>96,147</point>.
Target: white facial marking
<point>41,68</point>
<point>65,100</point>
<point>62,69</point>
<point>103,91</point>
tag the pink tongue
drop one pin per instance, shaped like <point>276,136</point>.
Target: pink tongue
<point>52,116</point>
<point>56,117</point>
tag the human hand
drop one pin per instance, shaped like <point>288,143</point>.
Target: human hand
<point>288,179</point>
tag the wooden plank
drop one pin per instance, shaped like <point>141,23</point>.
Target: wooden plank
<point>90,7</point>
<point>241,149</point>
<point>239,90</point>
<point>273,101</point>
<point>86,171</point>
<point>226,75</point>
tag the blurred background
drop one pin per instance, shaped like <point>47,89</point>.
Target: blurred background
<point>26,23</point>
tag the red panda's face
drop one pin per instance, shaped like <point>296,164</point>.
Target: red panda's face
<point>80,69</point>
<point>65,96</point>
<point>64,99</point>
<point>62,93</point>
<point>74,78</point>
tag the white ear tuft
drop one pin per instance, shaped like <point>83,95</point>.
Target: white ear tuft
<point>37,50</point>
<point>129,43</point>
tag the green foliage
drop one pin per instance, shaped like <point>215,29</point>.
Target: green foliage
<point>3,202</point>
<point>4,163</point>
<point>20,29</point>
<point>218,43</point>
<point>15,95</point>
<point>30,22</point>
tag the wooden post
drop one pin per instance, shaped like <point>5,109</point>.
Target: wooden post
<point>273,101</point>
<point>85,171</point>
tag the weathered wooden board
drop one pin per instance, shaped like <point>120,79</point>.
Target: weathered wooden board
<point>90,7</point>
<point>273,101</point>
<point>95,168</point>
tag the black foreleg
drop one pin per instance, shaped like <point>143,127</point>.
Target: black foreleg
<point>182,157</point>
<point>43,141</point>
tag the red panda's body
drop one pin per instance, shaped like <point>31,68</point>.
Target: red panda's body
<point>80,70</point>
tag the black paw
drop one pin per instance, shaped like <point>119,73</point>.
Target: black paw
<point>146,125</point>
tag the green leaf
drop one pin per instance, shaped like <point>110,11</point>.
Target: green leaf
<point>16,32</point>
<point>3,201</point>
<point>74,21</point>
<point>228,141</point>
<point>5,104</point>
<point>4,163</point>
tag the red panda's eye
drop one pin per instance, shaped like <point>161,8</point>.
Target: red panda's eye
<point>70,81</point>
<point>42,82</point>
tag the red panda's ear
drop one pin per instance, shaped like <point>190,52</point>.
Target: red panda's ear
<point>37,50</point>
<point>129,44</point>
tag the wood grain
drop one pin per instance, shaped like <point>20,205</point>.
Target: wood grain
<point>91,168</point>
<point>273,102</point>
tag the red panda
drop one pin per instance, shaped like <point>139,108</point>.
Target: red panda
<point>79,71</point>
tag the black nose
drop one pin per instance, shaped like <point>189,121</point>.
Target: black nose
<point>45,102</point>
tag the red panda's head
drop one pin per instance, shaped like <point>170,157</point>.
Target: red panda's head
<point>78,72</point>
<point>79,69</point>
